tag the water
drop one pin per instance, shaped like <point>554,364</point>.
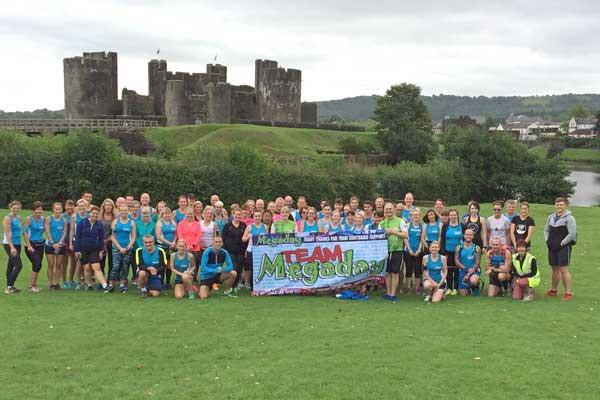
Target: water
<point>587,191</point>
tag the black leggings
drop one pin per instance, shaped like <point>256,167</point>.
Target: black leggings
<point>452,278</point>
<point>166,277</point>
<point>14,265</point>
<point>36,256</point>
<point>107,257</point>
<point>238,266</point>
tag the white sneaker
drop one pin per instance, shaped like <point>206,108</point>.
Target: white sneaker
<point>527,298</point>
<point>427,298</point>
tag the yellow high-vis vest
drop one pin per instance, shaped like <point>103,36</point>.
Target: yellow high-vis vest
<point>525,268</point>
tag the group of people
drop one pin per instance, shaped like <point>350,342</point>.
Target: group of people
<point>196,249</point>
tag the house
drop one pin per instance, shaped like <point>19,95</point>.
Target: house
<point>582,123</point>
<point>463,121</point>
<point>584,133</point>
<point>528,128</point>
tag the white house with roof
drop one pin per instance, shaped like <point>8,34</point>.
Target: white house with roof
<point>529,128</point>
<point>582,123</point>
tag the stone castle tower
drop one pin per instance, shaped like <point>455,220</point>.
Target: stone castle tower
<point>91,86</point>
<point>278,92</point>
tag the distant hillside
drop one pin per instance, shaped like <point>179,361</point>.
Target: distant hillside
<point>551,107</point>
<point>36,114</point>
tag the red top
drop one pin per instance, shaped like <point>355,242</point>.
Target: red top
<point>191,233</point>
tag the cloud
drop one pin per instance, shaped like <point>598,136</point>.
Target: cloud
<point>343,48</point>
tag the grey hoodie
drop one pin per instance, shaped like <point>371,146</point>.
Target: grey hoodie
<point>567,220</point>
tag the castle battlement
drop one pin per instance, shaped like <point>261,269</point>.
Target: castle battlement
<point>182,97</point>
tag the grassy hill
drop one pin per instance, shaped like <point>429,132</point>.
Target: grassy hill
<point>552,107</point>
<point>271,140</point>
<point>91,345</point>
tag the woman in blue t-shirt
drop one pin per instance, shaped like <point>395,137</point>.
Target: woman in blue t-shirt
<point>452,235</point>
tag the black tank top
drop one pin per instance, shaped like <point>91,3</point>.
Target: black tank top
<point>476,227</point>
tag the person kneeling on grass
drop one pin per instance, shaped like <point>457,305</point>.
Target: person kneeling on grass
<point>183,266</point>
<point>150,262</point>
<point>468,259</point>
<point>526,272</point>
<point>216,267</point>
<point>435,271</point>
<point>497,267</point>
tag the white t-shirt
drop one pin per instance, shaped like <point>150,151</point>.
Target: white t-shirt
<point>208,234</point>
<point>498,228</point>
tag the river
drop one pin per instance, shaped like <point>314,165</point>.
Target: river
<point>587,191</point>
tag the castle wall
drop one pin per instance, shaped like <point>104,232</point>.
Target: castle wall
<point>91,85</point>
<point>278,92</point>
<point>243,103</point>
<point>308,112</point>
<point>177,104</point>
<point>136,104</point>
<point>218,103</point>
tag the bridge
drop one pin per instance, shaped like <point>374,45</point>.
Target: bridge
<point>56,126</point>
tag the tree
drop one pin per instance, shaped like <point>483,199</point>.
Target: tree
<point>499,167</point>
<point>555,149</point>
<point>598,119</point>
<point>403,124</point>
<point>578,111</point>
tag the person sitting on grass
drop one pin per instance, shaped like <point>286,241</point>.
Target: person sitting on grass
<point>216,267</point>
<point>435,271</point>
<point>182,265</point>
<point>526,273</point>
<point>497,267</point>
<point>150,262</point>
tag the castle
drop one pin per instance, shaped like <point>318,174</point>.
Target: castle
<point>181,98</point>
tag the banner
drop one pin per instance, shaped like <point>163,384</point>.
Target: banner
<point>304,264</point>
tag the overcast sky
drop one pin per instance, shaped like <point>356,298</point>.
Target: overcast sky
<point>344,48</point>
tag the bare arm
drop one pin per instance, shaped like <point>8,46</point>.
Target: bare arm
<point>8,232</point>
<point>484,233</point>
<point>26,234</point>
<point>530,231</point>
<point>247,235</point>
<point>513,239</point>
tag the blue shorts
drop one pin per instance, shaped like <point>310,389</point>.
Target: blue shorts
<point>154,283</point>
<point>461,276</point>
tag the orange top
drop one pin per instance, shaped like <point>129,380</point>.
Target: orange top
<point>191,233</point>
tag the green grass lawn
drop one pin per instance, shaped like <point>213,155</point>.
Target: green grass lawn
<point>272,140</point>
<point>585,156</point>
<point>69,344</point>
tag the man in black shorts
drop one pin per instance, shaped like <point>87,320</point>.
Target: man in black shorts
<point>560,233</point>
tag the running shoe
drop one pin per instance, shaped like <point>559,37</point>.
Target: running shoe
<point>167,286</point>
<point>567,296</point>
<point>143,293</point>
<point>552,293</point>
<point>66,285</point>
<point>109,289</point>
<point>90,288</point>
<point>230,293</point>
<point>385,296</point>
<point>427,298</point>
<point>123,289</point>
<point>527,298</point>
<point>394,299</point>
<point>9,290</point>
<point>57,287</point>
<point>34,289</point>
<point>78,287</point>
<point>191,295</point>
<point>50,287</point>
<point>15,290</point>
